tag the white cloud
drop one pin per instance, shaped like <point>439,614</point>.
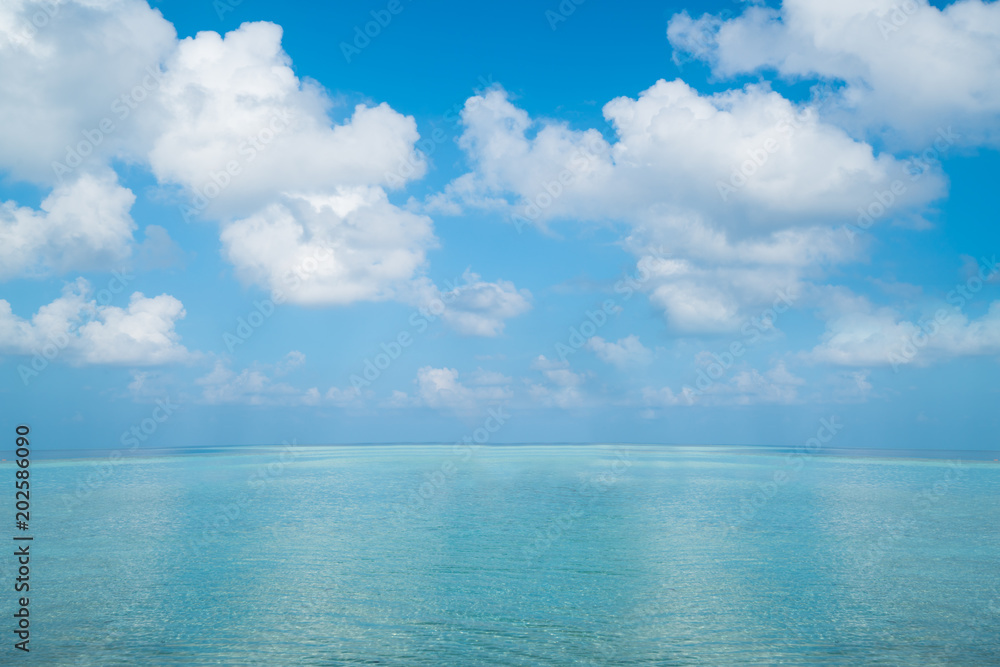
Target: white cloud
<point>674,148</point>
<point>870,336</point>
<point>79,89</point>
<point>302,201</point>
<point>489,378</point>
<point>628,351</point>
<point>236,99</point>
<point>440,388</point>
<point>89,333</point>
<point>257,386</point>
<point>335,249</point>
<point>673,174</point>
<point>746,387</point>
<point>89,62</point>
<point>776,385</point>
<point>80,225</point>
<point>400,399</point>
<point>148,385</point>
<point>348,397</point>
<point>721,298</point>
<point>480,308</point>
<point>290,176</point>
<point>852,386</point>
<point>307,214</point>
<point>944,63</point>
<point>249,386</point>
<point>292,360</point>
<point>665,397</point>
<point>721,290</point>
<point>473,307</point>
<point>143,333</point>
<point>562,387</point>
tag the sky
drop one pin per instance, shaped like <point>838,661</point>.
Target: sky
<point>239,222</point>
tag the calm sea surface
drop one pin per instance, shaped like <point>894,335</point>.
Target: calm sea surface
<point>510,555</point>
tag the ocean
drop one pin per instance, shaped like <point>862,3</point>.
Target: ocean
<point>512,555</point>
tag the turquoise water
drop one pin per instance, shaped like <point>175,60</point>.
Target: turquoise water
<point>599,555</point>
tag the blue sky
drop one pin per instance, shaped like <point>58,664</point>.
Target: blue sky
<point>573,221</point>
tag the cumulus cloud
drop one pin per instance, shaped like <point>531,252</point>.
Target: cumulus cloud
<point>350,245</point>
<point>561,386</point>
<point>851,386</point>
<point>75,85</point>
<point>440,388</point>
<point>149,385</point>
<point>302,201</point>
<point>256,385</point>
<point>342,398</point>
<point>489,378</point>
<point>298,186</point>
<point>480,308</point>
<point>699,295</point>
<point>749,386</point>
<point>80,225</point>
<point>249,386</point>
<point>78,89</point>
<point>472,307</point>
<point>86,332</point>
<point>901,70</point>
<point>870,336</point>
<point>626,352</point>
<point>678,151</point>
<point>235,99</point>
<point>776,385</point>
<point>665,397</point>
<point>292,360</point>
<point>748,190</point>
